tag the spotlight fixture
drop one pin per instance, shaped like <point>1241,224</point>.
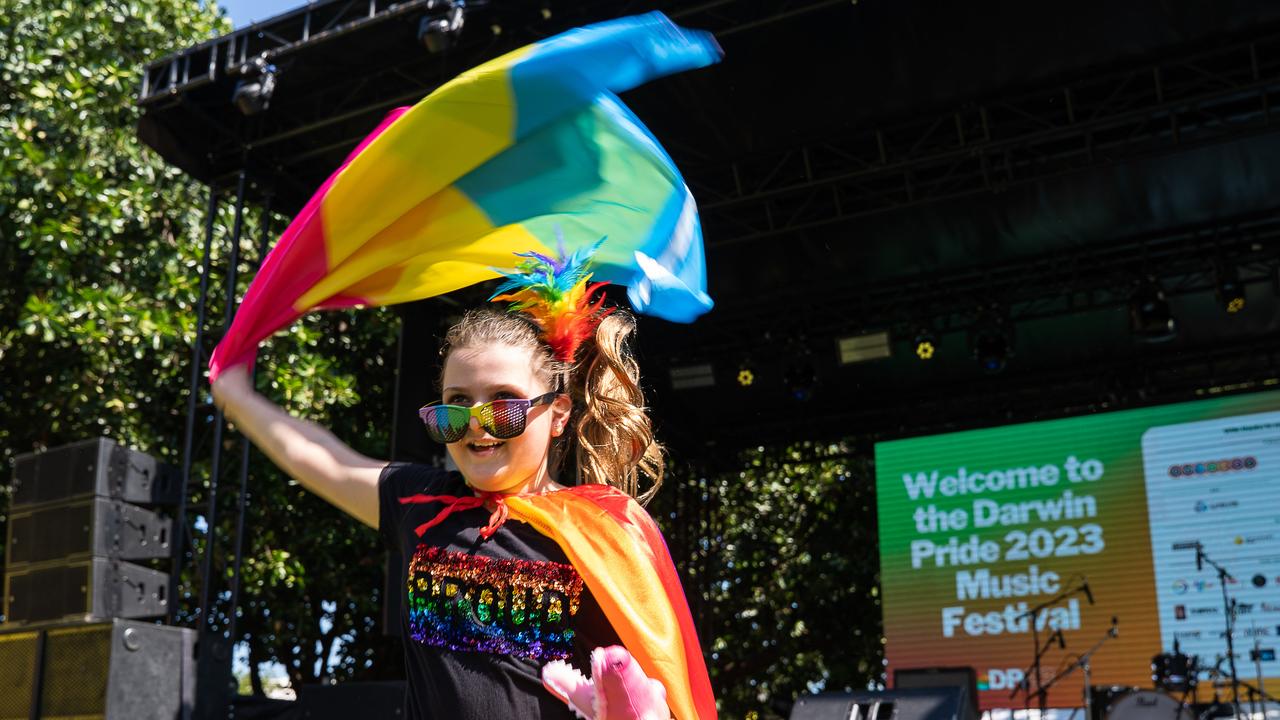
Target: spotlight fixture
<point>688,377</point>
<point>253,94</point>
<point>1229,290</point>
<point>991,341</point>
<point>925,343</point>
<point>1150,317</point>
<point>746,375</point>
<point>441,26</point>
<point>861,348</point>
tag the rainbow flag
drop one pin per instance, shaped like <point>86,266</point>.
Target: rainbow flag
<point>498,161</point>
<point>620,554</point>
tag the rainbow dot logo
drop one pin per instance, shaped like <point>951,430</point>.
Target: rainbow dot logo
<point>1212,467</point>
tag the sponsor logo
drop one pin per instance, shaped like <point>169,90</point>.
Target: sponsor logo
<point>1204,610</point>
<point>1259,580</point>
<point>1180,612</point>
<point>1254,539</point>
<point>1270,607</point>
<point>1206,506</point>
<point>1186,634</point>
<point>1000,679</point>
<point>1212,467</point>
<point>1182,587</point>
<point>1244,608</point>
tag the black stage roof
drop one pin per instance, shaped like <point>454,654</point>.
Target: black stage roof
<point>860,167</point>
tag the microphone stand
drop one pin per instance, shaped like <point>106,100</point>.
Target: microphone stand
<point>1042,691</point>
<point>1229,612</point>
<point>1082,662</point>
<point>1033,670</point>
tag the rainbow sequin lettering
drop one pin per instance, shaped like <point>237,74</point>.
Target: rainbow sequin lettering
<point>493,605</point>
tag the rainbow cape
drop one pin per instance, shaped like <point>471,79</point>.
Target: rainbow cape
<point>490,164</point>
<point>620,554</point>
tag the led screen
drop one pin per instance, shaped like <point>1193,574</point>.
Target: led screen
<point>978,527</point>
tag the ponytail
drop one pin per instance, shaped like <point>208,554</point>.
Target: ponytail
<point>612,439</point>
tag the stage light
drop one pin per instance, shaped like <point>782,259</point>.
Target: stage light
<point>688,377</point>
<point>861,348</point>
<point>925,343</point>
<point>746,376</point>
<point>991,341</point>
<point>1229,290</point>
<point>438,30</point>
<point>1150,317</point>
<point>252,96</point>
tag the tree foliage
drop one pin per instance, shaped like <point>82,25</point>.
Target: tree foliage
<point>789,575</point>
<point>100,249</point>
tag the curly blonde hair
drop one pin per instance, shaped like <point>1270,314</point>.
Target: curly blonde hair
<point>612,440</point>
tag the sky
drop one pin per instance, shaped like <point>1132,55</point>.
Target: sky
<point>244,12</point>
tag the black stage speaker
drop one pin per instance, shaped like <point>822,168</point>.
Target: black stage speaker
<point>962,677</point>
<point>89,589</point>
<point>84,528</point>
<point>72,524</point>
<point>913,704</point>
<point>120,670</point>
<point>97,467</point>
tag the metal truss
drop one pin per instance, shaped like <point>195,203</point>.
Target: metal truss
<point>1118,384</point>
<point>730,17</point>
<point>984,147</point>
<point>1091,277</point>
<point>325,113</point>
<point>322,21</point>
<point>270,39</point>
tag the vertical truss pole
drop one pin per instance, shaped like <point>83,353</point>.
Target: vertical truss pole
<point>211,513</point>
<point>193,390</point>
<point>245,445</point>
<point>213,654</point>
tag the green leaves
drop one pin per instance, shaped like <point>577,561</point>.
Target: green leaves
<point>789,575</point>
<point>100,246</point>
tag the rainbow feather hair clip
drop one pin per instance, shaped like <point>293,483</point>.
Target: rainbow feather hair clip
<point>555,292</point>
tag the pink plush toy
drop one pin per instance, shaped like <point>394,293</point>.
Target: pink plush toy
<point>617,690</point>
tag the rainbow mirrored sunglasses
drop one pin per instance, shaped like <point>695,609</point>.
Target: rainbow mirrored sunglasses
<point>503,419</point>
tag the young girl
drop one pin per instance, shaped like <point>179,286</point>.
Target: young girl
<point>536,550</point>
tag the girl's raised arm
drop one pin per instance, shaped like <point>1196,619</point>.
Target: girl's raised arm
<point>306,451</point>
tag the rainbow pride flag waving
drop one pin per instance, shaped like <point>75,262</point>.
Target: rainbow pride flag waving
<point>494,162</point>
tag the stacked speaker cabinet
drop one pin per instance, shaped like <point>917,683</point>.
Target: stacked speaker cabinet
<point>81,523</point>
<point>117,670</point>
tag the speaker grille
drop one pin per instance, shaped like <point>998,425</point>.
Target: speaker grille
<point>58,474</point>
<point>75,672</point>
<point>17,673</point>
<point>51,534</point>
<point>50,593</point>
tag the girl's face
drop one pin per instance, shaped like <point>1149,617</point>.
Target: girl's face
<point>476,375</point>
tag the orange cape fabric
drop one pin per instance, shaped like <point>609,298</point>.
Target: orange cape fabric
<point>623,559</point>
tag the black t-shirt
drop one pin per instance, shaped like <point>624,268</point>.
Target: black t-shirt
<point>481,617</point>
